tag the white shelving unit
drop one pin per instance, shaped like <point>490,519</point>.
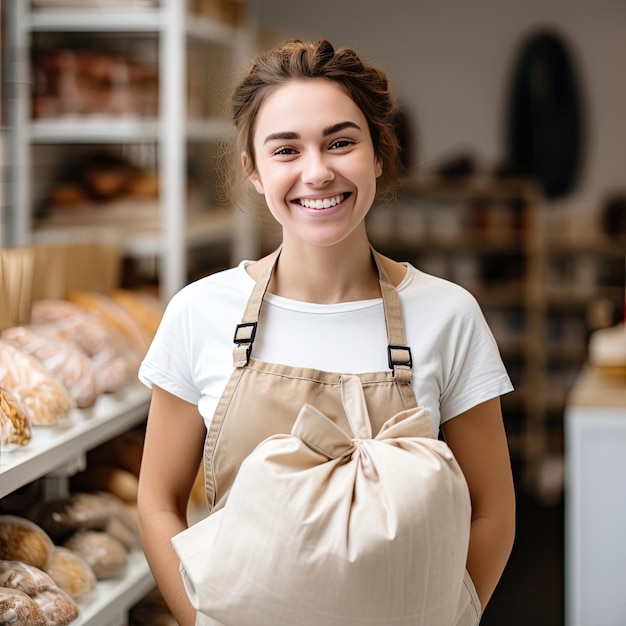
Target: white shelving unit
<point>58,451</point>
<point>177,231</point>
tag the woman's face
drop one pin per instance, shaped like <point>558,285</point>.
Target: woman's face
<point>315,161</point>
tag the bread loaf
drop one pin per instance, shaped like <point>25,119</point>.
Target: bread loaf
<point>105,555</point>
<point>14,425</point>
<point>57,607</point>
<point>44,399</point>
<point>62,517</point>
<point>119,482</point>
<point>22,540</point>
<point>71,573</point>
<point>63,359</point>
<point>19,609</point>
<point>26,578</point>
<point>87,330</point>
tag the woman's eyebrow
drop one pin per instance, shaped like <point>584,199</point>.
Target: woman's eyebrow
<point>330,130</point>
<point>335,128</point>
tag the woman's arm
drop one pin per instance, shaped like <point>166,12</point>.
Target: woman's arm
<point>171,457</point>
<point>478,441</point>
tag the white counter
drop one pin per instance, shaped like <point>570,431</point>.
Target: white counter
<point>595,512</point>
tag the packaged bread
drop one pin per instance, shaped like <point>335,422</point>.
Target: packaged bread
<point>104,554</point>
<point>62,517</point>
<point>26,578</point>
<point>114,315</point>
<point>63,359</point>
<point>104,346</point>
<point>71,573</point>
<point>44,399</point>
<point>14,425</point>
<point>19,609</point>
<point>22,540</point>
<point>57,607</point>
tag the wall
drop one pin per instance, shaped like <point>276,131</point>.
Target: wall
<point>450,60</point>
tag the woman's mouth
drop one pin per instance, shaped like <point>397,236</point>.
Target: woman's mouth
<point>321,203</point>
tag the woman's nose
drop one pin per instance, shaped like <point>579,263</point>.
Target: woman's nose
<point>316,170</point>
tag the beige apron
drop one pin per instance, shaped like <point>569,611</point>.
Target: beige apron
<point>262,399</point>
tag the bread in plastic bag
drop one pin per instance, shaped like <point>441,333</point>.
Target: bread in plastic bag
<point>59,609</point>
<point>68,363</point>
<point>19,609</point>
<point>62,517</point>
<point>44,399</point>
<point>25,577</point>
<point>103,345</point>
<point>22,540</point>
<point>71,573</point>
<point>15,429</point>
<point>105,555</point>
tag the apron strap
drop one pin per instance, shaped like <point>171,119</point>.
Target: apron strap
<point>398,353</point>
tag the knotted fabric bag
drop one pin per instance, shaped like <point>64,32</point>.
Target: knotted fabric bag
<point>326,529</point>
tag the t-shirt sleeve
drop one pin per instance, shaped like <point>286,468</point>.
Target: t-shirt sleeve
<point>167,363</point>
<point>476,372</point>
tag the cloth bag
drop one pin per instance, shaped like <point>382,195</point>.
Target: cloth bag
<point>323,528</point>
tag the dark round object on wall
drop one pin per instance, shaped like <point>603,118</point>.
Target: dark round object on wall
<point>545,134</point>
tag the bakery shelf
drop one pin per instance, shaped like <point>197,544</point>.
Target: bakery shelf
<point>90,20</point>
<point>100,129</point>
<point>53,447</point>
<point>177,132</point>
<point>114,597</point>
<point>142,239</point>
<point>105,129</point>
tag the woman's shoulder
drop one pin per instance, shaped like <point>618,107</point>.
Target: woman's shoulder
<point>232,284</point>
<point>419,288</point>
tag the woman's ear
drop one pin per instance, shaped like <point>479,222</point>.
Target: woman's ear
<point>252,176</point>
<point>378,167</point>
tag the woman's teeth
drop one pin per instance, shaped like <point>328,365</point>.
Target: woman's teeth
<point>326,203</point>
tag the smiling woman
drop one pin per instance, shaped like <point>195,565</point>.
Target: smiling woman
<point>325,322</point>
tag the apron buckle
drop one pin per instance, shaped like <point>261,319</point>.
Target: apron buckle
<point>394,356</point>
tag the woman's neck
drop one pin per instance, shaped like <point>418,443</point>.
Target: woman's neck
<point>326,275</point>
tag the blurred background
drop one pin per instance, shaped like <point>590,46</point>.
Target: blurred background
<point>114,131</point>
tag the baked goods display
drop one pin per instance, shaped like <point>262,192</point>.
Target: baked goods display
<point>44,399</point>
<point>63,359</point>
<point>81,81</point>
<point>104,346</point>
<point>54,552</point>
<point>57,608</point>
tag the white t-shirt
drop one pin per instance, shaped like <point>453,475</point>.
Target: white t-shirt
<point>456,362</point>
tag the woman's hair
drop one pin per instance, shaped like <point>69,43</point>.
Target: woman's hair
<point>367,86</point>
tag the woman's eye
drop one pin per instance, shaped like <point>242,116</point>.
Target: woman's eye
<point>284,151</point>
<point>341,143</point>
